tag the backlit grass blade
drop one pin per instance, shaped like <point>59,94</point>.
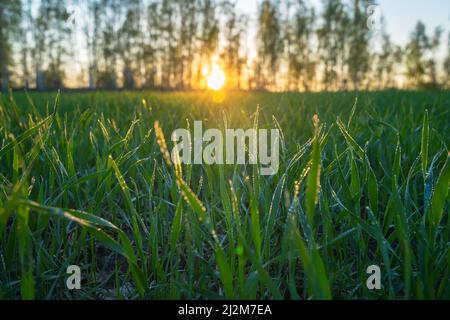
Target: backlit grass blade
<point>176,226</point>
<point>192,199</point>
<point>352,113</point>
<point>123,186</point>
<point>440,197</point>
<point>96,225</point>
<point>424,143</point>
<point>402,228</point>
<point>316,276</point>
<point>28,133</point>
<point>350,140</point>
<point>224,270</point>
<point>397,161</point>
<point>313,182</point>
<point>372,189</point>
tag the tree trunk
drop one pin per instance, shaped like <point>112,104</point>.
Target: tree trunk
<point>92,77</point>
<point>5,78</point>
<point>39,79</point>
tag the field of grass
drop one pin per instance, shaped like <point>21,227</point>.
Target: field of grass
<point>83,182</point>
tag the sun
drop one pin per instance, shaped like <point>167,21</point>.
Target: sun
<point>216,78</point>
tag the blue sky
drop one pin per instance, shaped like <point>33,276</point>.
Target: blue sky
<point>402,15</point>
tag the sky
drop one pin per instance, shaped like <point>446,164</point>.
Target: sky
<point>401,17</point>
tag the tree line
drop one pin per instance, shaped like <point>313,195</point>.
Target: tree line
<point>169,44</point>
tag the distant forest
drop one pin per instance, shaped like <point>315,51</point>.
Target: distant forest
<point>167,44</point>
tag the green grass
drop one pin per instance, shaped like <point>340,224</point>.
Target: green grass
<point>83,181</point>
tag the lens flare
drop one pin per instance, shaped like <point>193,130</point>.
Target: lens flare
<point>216,78</point>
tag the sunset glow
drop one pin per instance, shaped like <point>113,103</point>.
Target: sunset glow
<point>215,79</point>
